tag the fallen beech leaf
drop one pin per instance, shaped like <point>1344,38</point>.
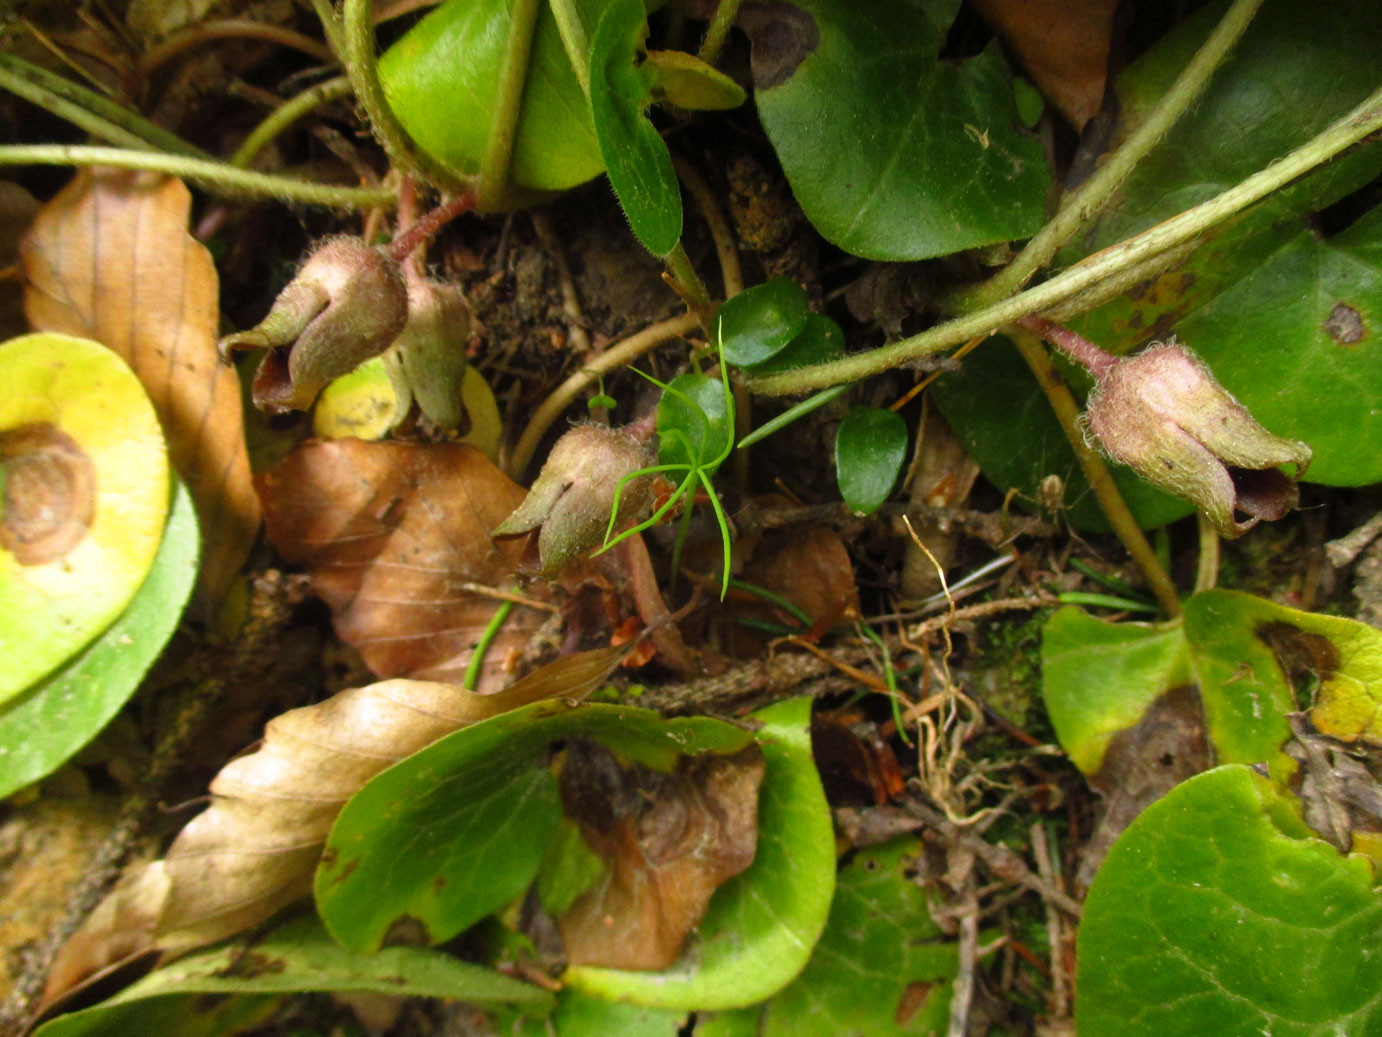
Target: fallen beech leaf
<point>669,841</point>
<point>1062,44</point>
<point>109,258</point>
<point>254,850</point>
<point>391,534</point>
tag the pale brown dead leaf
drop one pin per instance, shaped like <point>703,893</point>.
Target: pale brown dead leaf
<point>109,258</point>
<point>942,475</point>
<point>668,841</point>
<point>396,539</point>
<point>255,849</point>
<point>1062,44</point>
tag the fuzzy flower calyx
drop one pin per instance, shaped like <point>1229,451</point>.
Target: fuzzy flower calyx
<point>428,359</point>
<point>346,304</point>
<point>1162,413</point>
<point>575,493</point>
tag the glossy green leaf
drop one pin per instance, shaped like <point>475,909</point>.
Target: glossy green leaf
<point>224,990</point>
<point>821,340</point>
<point>443,838</point>
<point>760,321</point>
<point>636,158</point>
<point>695,421</point>
<point>1208,918</point>
<point>761,925</point>
<point>1258,300</point>
<point>49,723</point>
<point>879,941</point>
<point>441,80</point>
<point>870,446</point>
<point>891,153</point>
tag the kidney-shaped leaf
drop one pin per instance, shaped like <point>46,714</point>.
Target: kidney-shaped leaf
<point>84,480</point>
<point>454,832</point>
<point>46,725</point>
<point>892,153</point>
<point>762,924</point>
<point>760,321</point>
<point>1217,913</point>
<point>870,446</point>
<point>695,421</point>
<point>295,958</point>
<point>636,159</point>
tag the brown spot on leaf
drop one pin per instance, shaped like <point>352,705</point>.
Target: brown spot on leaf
<point>1345,325</point>
<point>49,493</point>
<point>1297,652</point>
<point>783,36</point>
<point>408,931</point>
<point>251,966</point>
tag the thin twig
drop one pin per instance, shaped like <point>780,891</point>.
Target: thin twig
<point>962,993</point>
<point>1055,928</point>
<point>231,29</point>
<point>287,113</point>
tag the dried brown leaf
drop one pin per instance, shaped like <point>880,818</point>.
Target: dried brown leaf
<point>393,535</point>
<point>255,849</point>
<point>1062,44</point>
<point>109,258</point>
<point>668,841</point>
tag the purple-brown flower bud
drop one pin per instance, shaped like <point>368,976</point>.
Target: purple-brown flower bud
<point>575,492</point>
<point>429,355</point>
<point>1162,413</point>
<point>346,304</point>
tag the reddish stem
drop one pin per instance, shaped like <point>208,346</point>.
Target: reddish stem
<point>1078,348</point>
<point>431,222</point>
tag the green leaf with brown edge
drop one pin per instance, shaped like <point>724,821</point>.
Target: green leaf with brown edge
<point>1260,299</point>
<point>636,158</point>
<point>50,722</point>
<point>882,966</point>
<point>892,153</point>
<point>221,991</point>
<point>761,925</point>
<point>441,80</point>
<point>1217,913</point>
<point>444,837</point>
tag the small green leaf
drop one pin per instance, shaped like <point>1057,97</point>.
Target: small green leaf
<point>688,82</point>
<point>893,153</point>
<point>695,421</point>
<point>1207,918</point>
<point>441,839</point>
<point>194,995</point>
<point>760,321</point>
<point>441,80</point>
<point>820,341</point>
<point>761,925</point>
<point>879,941</point>
<point>49,723</point>
<point>870,446</point>
<point>636,158</point>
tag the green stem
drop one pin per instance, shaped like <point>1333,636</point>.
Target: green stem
<point>216,177</point>
<point>689,285</point>
<point>573,39</point>
<point>508,101</point>
<point>289,112</point>
<point>331,28</point>
<point>1207,571</point>
<point>1365,119</point>
<point>1101,482</point>
<point>88,110</point>
<point>1084,203</point>
<point>720,24</point>
<point>357,37</point>
<point>477,657</point>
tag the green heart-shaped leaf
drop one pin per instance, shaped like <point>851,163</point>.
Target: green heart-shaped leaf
<point>870,446</point>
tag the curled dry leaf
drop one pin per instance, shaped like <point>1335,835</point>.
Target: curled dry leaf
<point>109,258</point>
<point>254,850</point>
<point>668,841</point>
<point>396,538</point>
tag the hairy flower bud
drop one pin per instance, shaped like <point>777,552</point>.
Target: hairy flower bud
<point>1162,413</point>
<point>346,304</point>
<point>428,359</point>
<point>574,494</point>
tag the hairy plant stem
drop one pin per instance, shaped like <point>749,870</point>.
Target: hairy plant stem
<point>615,356</point>
<point>1363,120</point>
<point>230,29</point>
<point>216,177</point>
<point>573,40</point>
<point>357,39</point>
<point>682,276</point>
<point>1096,472</point>
<point>86,109</point>
<point>503,127</point>
<point>725,13</point>
<point>1085,202</point>
<point>289,112</point>
<point>1207,570</point>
